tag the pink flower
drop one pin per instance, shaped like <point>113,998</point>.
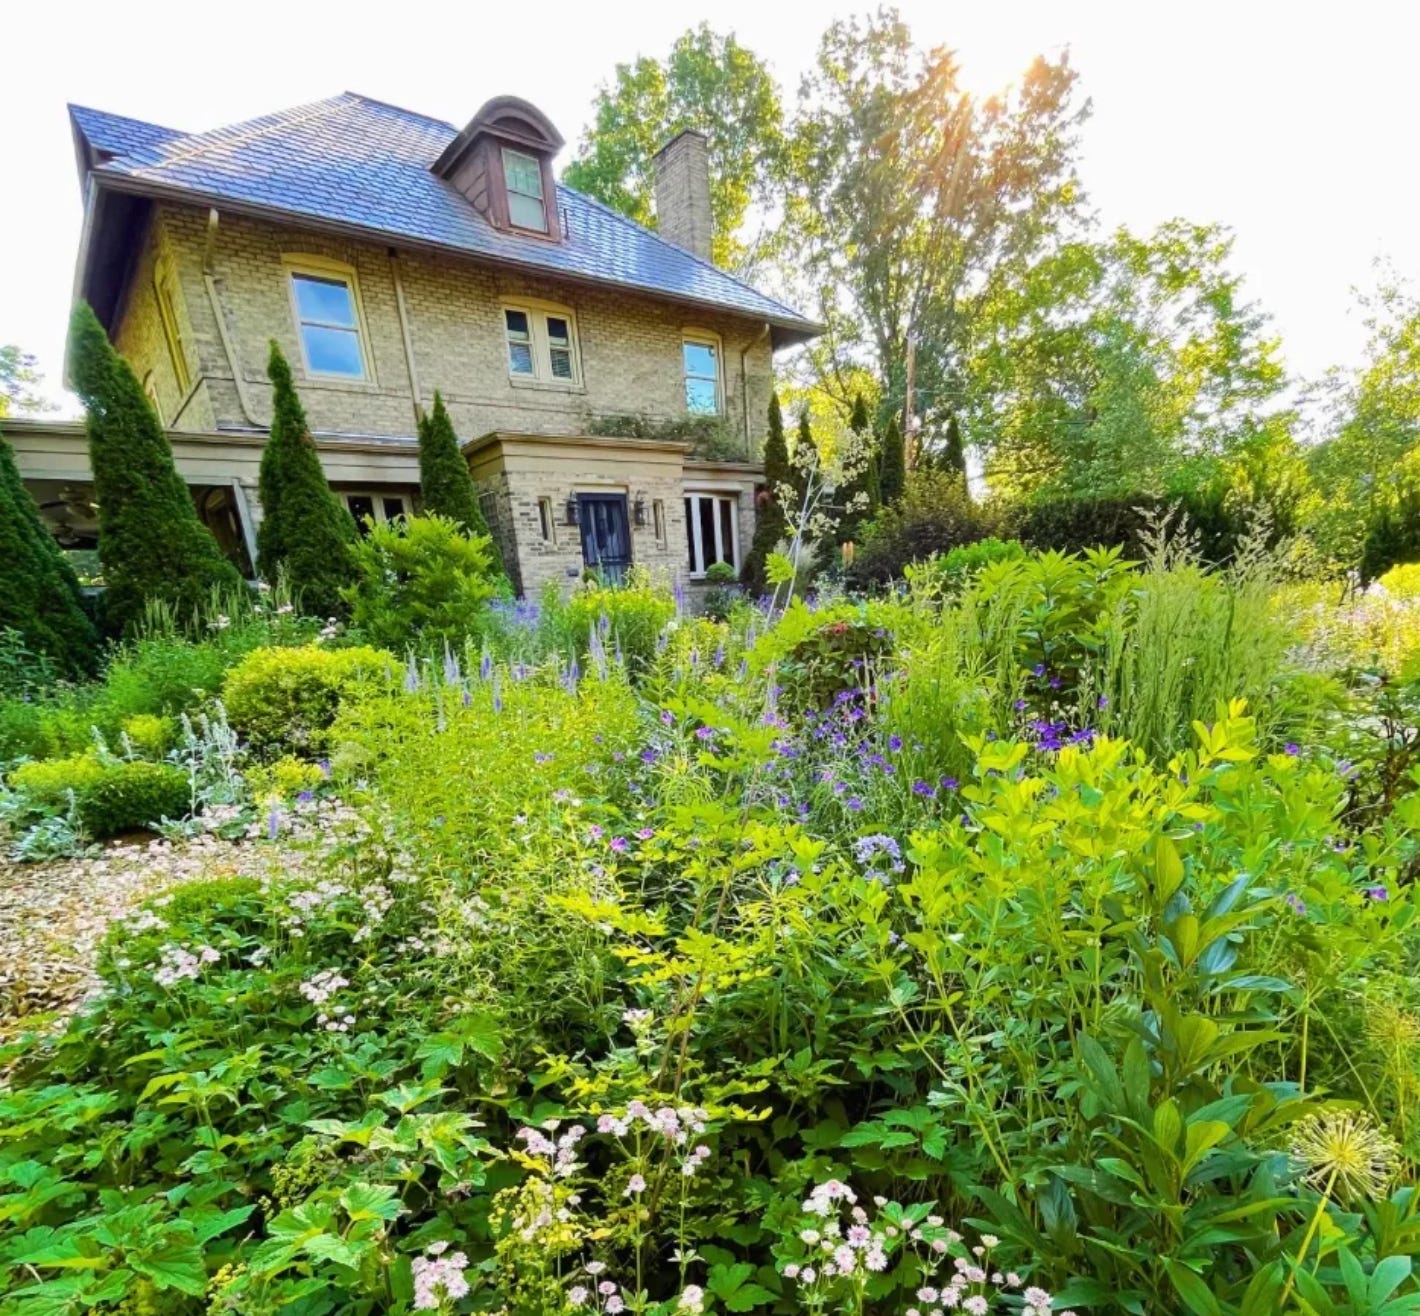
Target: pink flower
<point>636,1184</point>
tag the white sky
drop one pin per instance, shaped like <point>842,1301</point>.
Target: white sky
<point>1292,123</point>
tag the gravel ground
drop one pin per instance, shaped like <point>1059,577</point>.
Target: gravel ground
<point>53,916</point>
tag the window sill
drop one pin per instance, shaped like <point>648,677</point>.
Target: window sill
<point>342,383</point>
<point>546,386</point>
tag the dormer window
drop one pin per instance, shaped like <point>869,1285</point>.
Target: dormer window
<point>523,177</point>
<point>502,165</point>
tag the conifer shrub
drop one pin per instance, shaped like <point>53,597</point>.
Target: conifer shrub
<point>446,486</point>
<point>152,544</point>
<point>286,699</point>
<point>771,523</point>
<point>39,592</point>
<point>305,531</point>
<point>892,464</point>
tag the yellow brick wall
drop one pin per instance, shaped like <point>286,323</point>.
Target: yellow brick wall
<point>630,345</point>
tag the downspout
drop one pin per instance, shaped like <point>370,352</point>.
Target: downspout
<point>744,386</point>
<point>403,311</point>
<point>243,400</point>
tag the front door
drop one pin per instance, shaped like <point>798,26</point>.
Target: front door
<point>606,535</point>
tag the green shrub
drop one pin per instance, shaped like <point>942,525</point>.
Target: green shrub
<point>305,532</point>
<point>147,734</point>
<point>46,782</point>
<point>151,542</point>
<point>422,581</point>
<point>286,699</point>
<point>626,618</point>
<point>955,569</point>
<point>133,795</point>
<point>39,592</point>
<point>934,515</point>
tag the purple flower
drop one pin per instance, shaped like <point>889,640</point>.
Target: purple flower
<point>924,789</point>
<point>645,834</point>
<point>648,756</point>
<point>1102,702</point>
<point>596,832</point>
<point>540,757</point>
<point>949,783</point>
<point>1293,749</point>
<point>273,823</point>
<point>1298,905</point>
<point>1377,893</point>
<point>667,717</point>
<point>854,804</point>
<point>618,843</point>
<point>705,733</point>
<point>485,666</point>
<point>894,744</point>
<point>1020,705</point>
<point>305,797</point>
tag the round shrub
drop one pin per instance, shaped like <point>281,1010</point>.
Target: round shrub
<point>46,782</point>
<point>934,515</point>
<point>133,795</point>
<point>286,699</point>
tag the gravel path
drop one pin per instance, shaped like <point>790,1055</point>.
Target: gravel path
<point>53,917</point>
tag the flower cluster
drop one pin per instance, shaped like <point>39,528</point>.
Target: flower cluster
<point>438,1277</point>
<point>879,847</point>
<point>319,989</point>
<point>561,1155</point>
<point>177,962</point>
<point>674,1124</point>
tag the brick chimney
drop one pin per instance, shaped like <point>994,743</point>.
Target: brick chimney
<point>683,192</point>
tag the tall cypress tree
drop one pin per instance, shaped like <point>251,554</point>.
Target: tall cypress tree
<point>304,529</point>
<point>151,542</point>
<point>446,487</point>
<point>770,523</point>
<point>892,470</point>
<point>39,593</point>
<point>953,458</point>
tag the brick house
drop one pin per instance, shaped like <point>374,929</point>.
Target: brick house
<point>610,384</point>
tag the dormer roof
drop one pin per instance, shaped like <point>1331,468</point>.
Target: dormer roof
<point>509,118</point>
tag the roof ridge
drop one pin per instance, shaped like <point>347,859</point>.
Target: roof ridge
<point>675,246</point>
<point>401,109</point>
<point>264,123</point>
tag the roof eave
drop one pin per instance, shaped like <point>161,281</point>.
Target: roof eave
<point>789,331</point>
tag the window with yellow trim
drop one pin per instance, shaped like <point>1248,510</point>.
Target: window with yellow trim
<point>327,311</point>
<point>542,343</point>
<point>166,297</point>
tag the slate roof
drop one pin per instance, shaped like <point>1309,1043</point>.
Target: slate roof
<point>358,162</point>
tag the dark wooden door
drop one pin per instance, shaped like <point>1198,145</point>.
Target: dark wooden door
<point>606,535</point>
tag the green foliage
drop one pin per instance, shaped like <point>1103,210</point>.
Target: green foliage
<point>955,568</point>
<point>39,593</point>
<point>935,515</point>
<point>712,437</point>
<point>710,83</point>
<point>19,382</point>
<point>305,534</point>
<point>423,581</point>
<point>287,699</point>
<point>446,486</point>
<point>597,622</point>
<point>892,465</point>
<point>152,545</point>
<point>132,795</point>
<point>771,520</point>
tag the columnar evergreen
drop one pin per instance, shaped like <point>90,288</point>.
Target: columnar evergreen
<point>152,544</point>
<point>305,530</point>
<point>771,524</point>
<point>892,469</point>
<point>446,487</point>
<point>953,460</point>
<point>39,593</point>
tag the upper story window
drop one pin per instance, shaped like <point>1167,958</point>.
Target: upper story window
<point>172,330</point>
<point>700,354</point>
<point>327,310</point>
<point>542,344</point>
<point>522,174</point>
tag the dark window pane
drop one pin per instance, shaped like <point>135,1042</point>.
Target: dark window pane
<point>705,508</point>
<point>325,300</point>
<point>517,322</point>
<point>394,507</point>
<point>561,358</point>
<point>727,538</point>
<point>361,507</point>
<point>701,397</point>
<point>690,532</point>
<point>332,351</point>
